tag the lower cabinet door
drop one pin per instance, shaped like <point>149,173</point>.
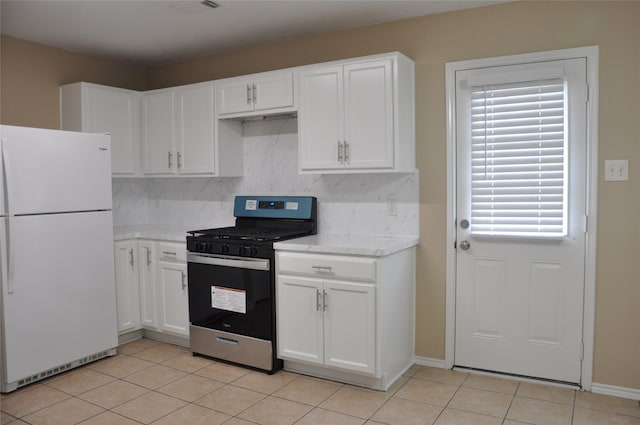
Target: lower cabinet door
<point>147,287</point>
<point>349,326</point>
<point>173,298</point>
<point>125,256</point>
<point>300,319</point>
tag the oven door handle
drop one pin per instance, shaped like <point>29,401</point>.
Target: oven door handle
<point>240,263</point>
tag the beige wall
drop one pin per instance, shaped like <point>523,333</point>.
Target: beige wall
<point>31,74</point>
<point>432,41</point>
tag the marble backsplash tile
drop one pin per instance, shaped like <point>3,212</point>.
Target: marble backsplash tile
<point>358,204</point>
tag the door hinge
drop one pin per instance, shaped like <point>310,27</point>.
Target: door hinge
<point>586,224</point>
<point>586,93</point>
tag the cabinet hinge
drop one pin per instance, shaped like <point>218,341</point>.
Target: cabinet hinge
<point>581,351</point>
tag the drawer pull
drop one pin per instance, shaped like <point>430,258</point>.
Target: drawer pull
<point>227,340</point>
<point>326,269</point>
<point>168,253</point>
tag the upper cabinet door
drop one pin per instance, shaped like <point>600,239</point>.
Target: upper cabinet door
<point>114,112</point>
<point>195,129</point>
<point>273,91</point>
<point>100,109</point>
<point>235,96</point>
<point>321,118</point>
<point>266,93</point>
<point>158,133</point>
<point>368,120</point>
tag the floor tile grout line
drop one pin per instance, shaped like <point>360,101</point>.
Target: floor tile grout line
<point>513,397</point>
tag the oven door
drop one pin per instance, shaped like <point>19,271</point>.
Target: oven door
<point>231,294</point>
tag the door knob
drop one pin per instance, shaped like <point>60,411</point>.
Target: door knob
<point>465,245</point>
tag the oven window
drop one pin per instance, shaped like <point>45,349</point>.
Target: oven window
<point>246,290</point>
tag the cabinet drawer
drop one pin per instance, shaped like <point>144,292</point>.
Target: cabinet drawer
<point>168,251</point>
<point>326,266</point>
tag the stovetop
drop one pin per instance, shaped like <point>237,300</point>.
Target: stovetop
<point>260,221</point>
<point>253,234</point>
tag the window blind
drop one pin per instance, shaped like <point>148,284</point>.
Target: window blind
<point>519,159</point>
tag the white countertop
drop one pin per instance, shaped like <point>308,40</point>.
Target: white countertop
<point>376,246</point>
<point>164,232</point>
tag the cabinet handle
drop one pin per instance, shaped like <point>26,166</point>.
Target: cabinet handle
<point>131,256</point>
<point>324,300</point>
<point>255,93</point>
<point>168,253</point>
<point>346,152</point>
<point>339,152</point>
<point>169,157</point>
<point>318,305</point>
<point>248,94</point>
<point>148,255</point>
<point>326,269</point>
<point>184,284</point>
<point>179,160</point>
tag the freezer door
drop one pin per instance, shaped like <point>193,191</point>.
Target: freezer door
<point>59,296</point>
<point>50,171</point>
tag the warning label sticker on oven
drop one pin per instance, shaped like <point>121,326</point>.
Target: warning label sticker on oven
<point>250,205</point>
<point>229,299</point>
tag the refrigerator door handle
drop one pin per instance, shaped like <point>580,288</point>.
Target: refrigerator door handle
<point>7,231</point>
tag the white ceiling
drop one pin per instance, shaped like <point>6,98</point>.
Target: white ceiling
<point>157,31</point>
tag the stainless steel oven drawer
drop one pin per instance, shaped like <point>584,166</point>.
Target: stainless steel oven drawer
<point>235,348</point>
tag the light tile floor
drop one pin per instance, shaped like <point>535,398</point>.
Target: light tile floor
<point>155,383</point>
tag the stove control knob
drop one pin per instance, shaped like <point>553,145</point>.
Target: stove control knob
<point>254,251</point>
<point>245,251</point>
<point>224,249</point>
<point>198,246</point>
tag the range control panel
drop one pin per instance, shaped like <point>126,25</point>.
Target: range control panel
<point>290,207</point>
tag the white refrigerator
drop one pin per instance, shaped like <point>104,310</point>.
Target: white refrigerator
<point>58,299</point>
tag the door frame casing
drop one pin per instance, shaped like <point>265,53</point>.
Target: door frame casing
<point>591,54</point>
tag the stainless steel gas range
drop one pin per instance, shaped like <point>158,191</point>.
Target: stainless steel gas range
<point>232,279</point>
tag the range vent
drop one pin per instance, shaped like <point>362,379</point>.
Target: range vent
<point>64,367</point>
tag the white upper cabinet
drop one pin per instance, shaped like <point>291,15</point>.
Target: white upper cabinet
<point>93,108</point>
<point>194,106</point>
<point>179,134</point>
<point>357,116</point>
<point>265,93</point>
<point>158,132</point>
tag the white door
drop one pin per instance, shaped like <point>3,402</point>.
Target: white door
<point>147,290</point>
<point>273,91</point>
<point>174,301</point>
<point>368,105</point>
<point>194,130</point>
<point>158,133</point>
<point>235,96</point>
<point>126,258</point>
<point>321,118</point>
<point>521,184</point>
<point>113,111</point>
<point>349,326</point>
<point>300,319</point>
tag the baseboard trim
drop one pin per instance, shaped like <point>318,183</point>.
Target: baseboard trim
<point>428,361</point>
<point>631,393</point>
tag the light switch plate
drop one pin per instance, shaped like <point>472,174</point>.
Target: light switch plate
<point>616,170</point>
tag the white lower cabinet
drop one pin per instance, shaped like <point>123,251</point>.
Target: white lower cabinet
<point>127,301</point>
<point>173,297</point>
<point>345,317</point>
<point>327,322</point>
<point>146,274</point>
<point>151,282</point>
